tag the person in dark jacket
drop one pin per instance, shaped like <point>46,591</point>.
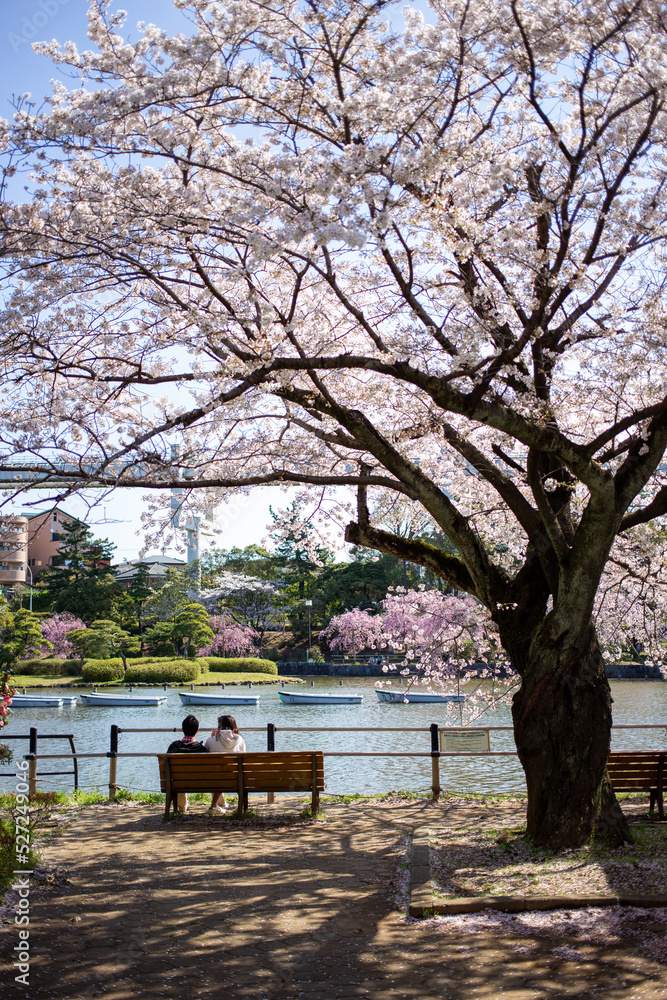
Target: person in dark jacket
<point>187,744</point>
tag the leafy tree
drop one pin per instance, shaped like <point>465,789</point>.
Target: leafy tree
<point>425,264</point>
<point>80,581</point>
<point>140,588</point>
<point>361,583</point>
<point>159,638</point>
<point>191,628</point>
<point>24,634</point>
<point>253,560</point>
<point>104,639</point>
<point>6,625</point>
<point>188,630</point>
<point>163,604</point>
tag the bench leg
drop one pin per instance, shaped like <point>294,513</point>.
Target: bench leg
<point>170,802</point>
<point>314,803</point>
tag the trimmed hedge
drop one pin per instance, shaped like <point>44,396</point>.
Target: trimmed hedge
<point>48,667</point>
<point>241,665</point>
<point>174,671</point>
<point>153,659</point>
<point>97,671</point>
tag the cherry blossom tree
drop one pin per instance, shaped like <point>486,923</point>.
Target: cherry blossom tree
<point>231,639</point>
<point>55,629</point>
<point>338,244</point>
<point>353,631</point>
<point>451,640</point>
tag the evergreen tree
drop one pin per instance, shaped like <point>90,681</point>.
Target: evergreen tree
<point>24,635</point>
<point>104,639</point>
<point>81,580</point>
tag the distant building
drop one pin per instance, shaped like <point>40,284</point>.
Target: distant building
<point>13,551</point>
<point>44,537</point>
<point>157,570</point>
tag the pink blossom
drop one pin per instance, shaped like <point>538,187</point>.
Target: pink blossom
<point>354,631</point>
<point>55,631</point>
<point>230,639</point>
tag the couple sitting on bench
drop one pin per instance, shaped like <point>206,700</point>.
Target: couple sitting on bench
<point>225,739</point>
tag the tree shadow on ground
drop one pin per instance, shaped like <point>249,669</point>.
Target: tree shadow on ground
<point>204,909</point>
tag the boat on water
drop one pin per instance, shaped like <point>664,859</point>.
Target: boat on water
<point>40,701</point>
<point>312,698</point>
<point>201,698</point>
<point>123,699</point>
<point>417,697</point>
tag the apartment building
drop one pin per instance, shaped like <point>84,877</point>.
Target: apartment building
<point>13,551</point>
<point>44,537</point>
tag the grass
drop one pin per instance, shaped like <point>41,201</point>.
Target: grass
<point>28,681</point>
<point>39,814</point>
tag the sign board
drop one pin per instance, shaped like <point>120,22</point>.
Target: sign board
<point>464,741</point>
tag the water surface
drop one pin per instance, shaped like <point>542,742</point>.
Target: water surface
<point>635,702</point>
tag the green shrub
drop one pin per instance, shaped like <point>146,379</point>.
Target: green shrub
<point>241,665</point>
<point>154,659</point>
<point>48,667</point>
<point>174,671</point>
<point>111,661</point>
<point>97,671</point>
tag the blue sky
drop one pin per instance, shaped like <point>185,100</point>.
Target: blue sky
<point>21,70</point>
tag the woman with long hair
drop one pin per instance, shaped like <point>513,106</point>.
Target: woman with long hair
<point>225,739</point>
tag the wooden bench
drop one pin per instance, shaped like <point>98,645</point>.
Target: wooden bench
<point>639,770</point>
<point>242,773</point>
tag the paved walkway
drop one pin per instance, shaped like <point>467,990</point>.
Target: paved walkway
<point>203,909</point>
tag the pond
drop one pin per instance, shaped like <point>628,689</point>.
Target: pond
<point>635,703</point>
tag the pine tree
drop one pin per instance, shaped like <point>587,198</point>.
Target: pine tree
<point>81,580</point>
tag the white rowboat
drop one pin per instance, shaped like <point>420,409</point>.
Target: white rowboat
<point>123,699</point>
<point>197,698</point>
<point>39,701</point>
<point>298,698</point>
<point>417,697</point>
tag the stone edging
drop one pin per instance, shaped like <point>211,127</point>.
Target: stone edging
<point>423,903</point>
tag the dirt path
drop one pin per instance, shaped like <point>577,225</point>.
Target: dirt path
<point>204,909</point>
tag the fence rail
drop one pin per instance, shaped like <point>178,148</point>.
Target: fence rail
<point>32,752</point>
<point>433,731</point>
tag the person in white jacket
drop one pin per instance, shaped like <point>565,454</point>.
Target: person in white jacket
<point>225,739</point>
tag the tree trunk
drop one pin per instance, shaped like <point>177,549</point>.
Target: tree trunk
<point>562,729</point>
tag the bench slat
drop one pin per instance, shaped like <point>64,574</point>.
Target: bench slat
<point>243,773</point>
<point>640,770</point>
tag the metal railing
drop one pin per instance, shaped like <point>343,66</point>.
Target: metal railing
<point>32,753</point>
<point>434,732</point>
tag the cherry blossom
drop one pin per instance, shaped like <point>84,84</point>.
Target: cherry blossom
<point>55,631</point>
<point>354,631</point>
<point>386,258</point>
<point>231,639</point>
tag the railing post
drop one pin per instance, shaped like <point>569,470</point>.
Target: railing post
<point>271,746</point>
<point>32,766</point>
<point>113,763</point>
<point>435,761</point>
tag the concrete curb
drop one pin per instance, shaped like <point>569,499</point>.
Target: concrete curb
<point>423,903</point>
